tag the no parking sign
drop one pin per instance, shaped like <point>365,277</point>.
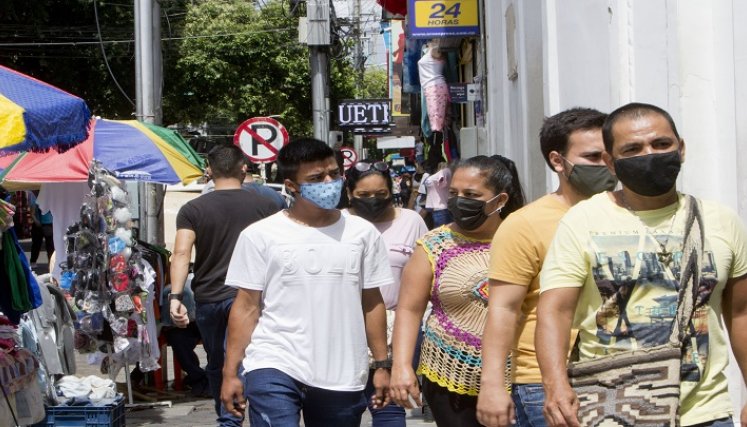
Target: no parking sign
<point>349,157</point>
<point>261,138</point>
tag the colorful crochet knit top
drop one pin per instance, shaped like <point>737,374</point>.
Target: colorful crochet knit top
<point>451,354</point>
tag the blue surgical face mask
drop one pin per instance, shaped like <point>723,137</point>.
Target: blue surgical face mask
<point>326,195</point>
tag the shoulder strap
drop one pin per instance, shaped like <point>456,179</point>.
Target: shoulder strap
<point>690,270</point>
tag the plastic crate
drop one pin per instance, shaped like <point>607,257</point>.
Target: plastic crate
<point>85,416</point>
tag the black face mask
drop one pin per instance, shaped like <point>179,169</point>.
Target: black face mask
<point>370,208</point>
<point>591,179</point>
<point>469,214</point>
<point>650,175</point>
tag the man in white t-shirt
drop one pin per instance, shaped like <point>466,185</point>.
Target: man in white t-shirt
<point>308,303</point>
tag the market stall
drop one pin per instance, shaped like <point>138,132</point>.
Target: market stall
<point>35,117</point>
<point>109,279</point>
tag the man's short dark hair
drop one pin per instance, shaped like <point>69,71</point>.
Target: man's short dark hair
<point>557,129</point>
<point>301,150</point>
<point>226,161</point>
<point>634,110</point>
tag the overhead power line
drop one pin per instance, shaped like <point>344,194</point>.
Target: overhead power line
<point>84,43</point>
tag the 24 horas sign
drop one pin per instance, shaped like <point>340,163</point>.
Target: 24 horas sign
<point>443,18</point>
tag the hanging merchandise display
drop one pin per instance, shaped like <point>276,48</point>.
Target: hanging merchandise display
<point>110,284</point>
<point>21,399</point>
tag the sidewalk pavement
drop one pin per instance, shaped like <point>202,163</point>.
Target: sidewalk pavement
<point>176,408</point>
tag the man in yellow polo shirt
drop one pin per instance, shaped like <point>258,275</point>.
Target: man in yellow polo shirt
<point>571,142</point>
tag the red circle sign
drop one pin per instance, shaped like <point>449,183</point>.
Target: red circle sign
<point>349,157</point>
<point>261,138</point>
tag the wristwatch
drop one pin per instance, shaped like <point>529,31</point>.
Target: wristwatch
<point>178,297</point>
<point>378,364</point>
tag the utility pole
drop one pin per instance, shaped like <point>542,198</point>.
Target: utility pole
<point>359,68</point>
<point>317,15</point>
<point>148,88</point>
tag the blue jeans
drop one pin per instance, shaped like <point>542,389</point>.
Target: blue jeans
<point>441,217</point>
<point>276,400</point>
<point>529,399</point>
<point>391,415</point>
<point>721,422</point>
<point>212,320</point>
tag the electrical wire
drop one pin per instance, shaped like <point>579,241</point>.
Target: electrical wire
<point>204,36</point>
<point>103,53</point>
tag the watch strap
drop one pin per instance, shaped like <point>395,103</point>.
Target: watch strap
<point>378,364</point>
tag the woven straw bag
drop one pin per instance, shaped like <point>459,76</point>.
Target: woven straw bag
<point>642,387</point>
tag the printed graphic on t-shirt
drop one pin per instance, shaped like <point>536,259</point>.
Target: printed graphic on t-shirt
<point>638,279</point>
<point>320,261</point>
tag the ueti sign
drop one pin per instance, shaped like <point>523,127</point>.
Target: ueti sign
<point>357,113</point>
<point>349,157</point>
<point>443,18</point>
<point>261,138</point>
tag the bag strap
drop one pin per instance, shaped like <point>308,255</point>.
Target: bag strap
<point>690,271</point>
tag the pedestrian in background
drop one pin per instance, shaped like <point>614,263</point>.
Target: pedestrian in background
<point>571,143</point>
<point>370,193</point>
<point>41,230</point>
<point>436,190</point>
<point>450,268</point>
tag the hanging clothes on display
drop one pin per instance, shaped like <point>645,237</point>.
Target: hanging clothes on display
<point>64,200</point>
<point>410,74</point>
<point>434,86</point>
<point>54,326</point>
<point>21,399</point>
<point>20,292</point>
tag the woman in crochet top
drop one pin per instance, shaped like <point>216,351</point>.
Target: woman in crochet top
<point>449,269</point>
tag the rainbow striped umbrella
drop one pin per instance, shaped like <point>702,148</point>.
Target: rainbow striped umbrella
<point>131,150</point>
<point>35,116</point>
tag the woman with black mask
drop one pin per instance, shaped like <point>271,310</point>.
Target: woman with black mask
<point>369,189</point>
<point>449,269</point>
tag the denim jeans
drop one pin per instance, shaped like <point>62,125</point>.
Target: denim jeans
<point>276,400</point>
<point>721,422</point>
<point>212,320</point>
<point>529,399</point>
<point>391,415</point>
<point>441,217</point>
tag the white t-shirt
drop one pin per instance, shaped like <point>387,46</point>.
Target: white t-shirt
<point>431,70</point>
<point>64,200</point>
<point>311,326</point>
<point>400,235</point>
<point>437,189</point>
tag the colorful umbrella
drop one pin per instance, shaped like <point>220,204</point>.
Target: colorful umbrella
<point>35,116</point>
<point>130,149</point>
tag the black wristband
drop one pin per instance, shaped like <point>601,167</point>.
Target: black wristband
<point>178,297</point>
<point>379,364</point>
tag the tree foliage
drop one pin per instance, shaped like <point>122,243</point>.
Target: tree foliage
<point>57,42</point>
<point>255,66</point>
<point>223,60</point>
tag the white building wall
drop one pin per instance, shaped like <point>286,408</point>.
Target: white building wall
<point>686,56</point>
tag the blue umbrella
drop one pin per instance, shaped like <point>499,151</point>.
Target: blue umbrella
<point>35,116</point>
